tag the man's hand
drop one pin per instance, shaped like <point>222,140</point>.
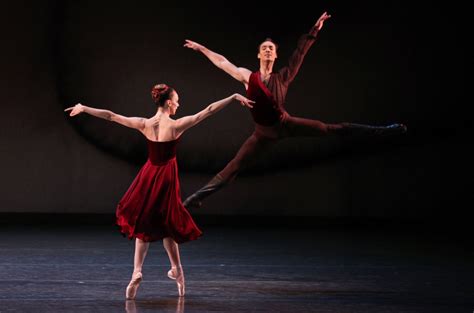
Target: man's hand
<point>320,22</point>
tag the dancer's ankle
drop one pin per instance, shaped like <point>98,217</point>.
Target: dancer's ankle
<point>136,271</point>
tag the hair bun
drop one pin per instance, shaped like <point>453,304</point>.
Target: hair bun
<point>157,91</point>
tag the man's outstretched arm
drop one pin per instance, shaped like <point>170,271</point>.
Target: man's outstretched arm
<point>304,43</point>
<point>239,73</point>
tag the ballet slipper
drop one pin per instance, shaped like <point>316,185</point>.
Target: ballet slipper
<point>132,287</point>
<point>176,273</point>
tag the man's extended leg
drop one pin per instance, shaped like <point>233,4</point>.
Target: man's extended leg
<point>253,146</point>
<point>296,126</point>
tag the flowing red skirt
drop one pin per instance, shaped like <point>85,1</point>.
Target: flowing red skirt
<point>151,209</point>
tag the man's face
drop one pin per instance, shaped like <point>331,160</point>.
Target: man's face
<point>267,51</point>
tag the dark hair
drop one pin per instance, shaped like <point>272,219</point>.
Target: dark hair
<point>160,93</point>
<point>267,39</point>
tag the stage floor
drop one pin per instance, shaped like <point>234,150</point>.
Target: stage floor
<point>85,268</point>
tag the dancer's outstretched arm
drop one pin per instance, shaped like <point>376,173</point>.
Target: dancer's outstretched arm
<point>187,122</point>
<point>304,43</point>
<point>132,122</point>
<point>239,73</point>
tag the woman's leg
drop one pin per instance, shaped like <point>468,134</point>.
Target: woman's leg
<point>141,249</point>
<point>176,271</point>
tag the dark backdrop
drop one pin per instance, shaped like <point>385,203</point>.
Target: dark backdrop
<point>373,62</point>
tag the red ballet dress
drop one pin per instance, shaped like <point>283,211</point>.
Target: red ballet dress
<point>151,209</point>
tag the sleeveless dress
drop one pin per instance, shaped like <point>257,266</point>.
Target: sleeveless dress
<point>151,209</point>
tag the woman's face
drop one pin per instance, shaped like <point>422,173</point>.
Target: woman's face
<point>173,103</point>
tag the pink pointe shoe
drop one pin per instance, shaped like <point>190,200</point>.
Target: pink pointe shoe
<point>176,273</point>
<point>132,287</point>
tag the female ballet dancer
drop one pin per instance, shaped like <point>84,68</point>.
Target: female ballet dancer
<point>152,209</point>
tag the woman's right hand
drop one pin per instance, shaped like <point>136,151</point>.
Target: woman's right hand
<point>244,101</point>
<point>75,110</point>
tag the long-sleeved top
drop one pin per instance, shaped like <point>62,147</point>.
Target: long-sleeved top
<point>270,99</point>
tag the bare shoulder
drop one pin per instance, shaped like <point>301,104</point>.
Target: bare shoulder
<point>245,74</point>
<point>245,71</point>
